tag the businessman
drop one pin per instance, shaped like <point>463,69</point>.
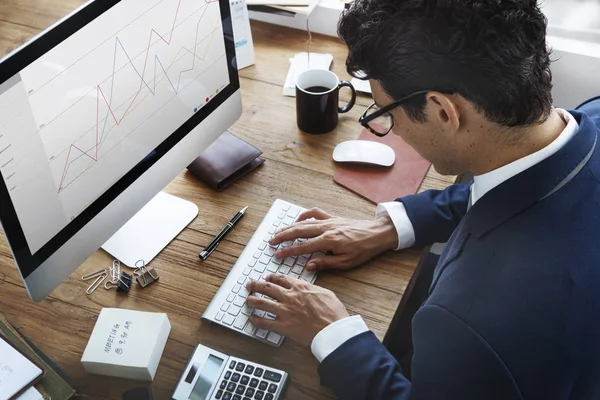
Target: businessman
<point>514,306</point>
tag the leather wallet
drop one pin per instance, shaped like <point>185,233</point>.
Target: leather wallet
<point>226,160</point>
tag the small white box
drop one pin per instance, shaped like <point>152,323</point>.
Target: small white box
<point>126,344</point>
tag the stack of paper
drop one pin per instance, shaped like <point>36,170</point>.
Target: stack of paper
<point>300,63</point>
<point>293,6</point>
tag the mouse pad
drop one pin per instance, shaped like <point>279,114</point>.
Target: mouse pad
<point>382,184</point>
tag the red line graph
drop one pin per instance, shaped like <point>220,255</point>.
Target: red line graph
<point>100,92</point>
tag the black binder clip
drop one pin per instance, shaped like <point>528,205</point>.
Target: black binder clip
<point>124,282</point>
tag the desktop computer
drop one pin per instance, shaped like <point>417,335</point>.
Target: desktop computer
<point>98,114</point>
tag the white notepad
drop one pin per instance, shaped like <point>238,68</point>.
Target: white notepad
<point>16,371</point>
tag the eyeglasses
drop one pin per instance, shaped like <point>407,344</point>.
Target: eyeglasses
<point>379,121</point>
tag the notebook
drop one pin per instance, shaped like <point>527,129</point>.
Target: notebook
<point>17,372</point>
<point>382,184</point>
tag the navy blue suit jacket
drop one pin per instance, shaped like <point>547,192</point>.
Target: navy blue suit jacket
<point>514,307</point>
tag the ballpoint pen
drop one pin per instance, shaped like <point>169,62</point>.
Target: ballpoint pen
<point>215,242</point>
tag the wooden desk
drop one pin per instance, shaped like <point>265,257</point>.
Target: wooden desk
<point>298,169</point>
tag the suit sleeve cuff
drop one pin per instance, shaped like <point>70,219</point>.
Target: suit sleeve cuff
<point>397,213</point>
<point>333,336</point>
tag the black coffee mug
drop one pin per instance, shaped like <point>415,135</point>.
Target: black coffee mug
<point>317,100</point>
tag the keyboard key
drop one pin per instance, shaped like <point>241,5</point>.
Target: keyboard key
<point>225,307</point>
<point>228,319</point>
<point>219,394</point>
<point>257,254</point>
<point>245,378</point>
<point>259,313</point>
<point>263,385</point>
<point>261,267</point>
<point>240,367</point>
<point>277,260</point>
<point>220,315</point>
<point>264,259</point>
<point>286,207</point>
<point>241,280</point>
<point>236,288</point>
<point>262,333</point>
<point>252,262</point>
<point>249,369</point>
<point>308,275</point>
<point>240,389</point>
<point>297,269</point>
<point>227,396</point>
<point>230,297</point>
<point>244,292</point>
<point>259,395</point>
<point>258,373</point>
<point>247,271</point>
<point>276,223</point>
<point>302,261</point>
<point>293,212</point>
<point>281,215</point>
<point>272,388</point>
<point>270,315</point>
<point>272,230</point>
<point>250,391</point>
<point>284,269</point>
<point>240,322</point>
<point>266,238</point>
<point>231,387</point>
<point>239,301</point>
<point>294,275</point>
<point>272,267</point>
<point>269,251</point>
<point>234,310</point>
<point>262,246</point>
<point>254,275</point>
<point>269,396</point>
<point>250,328</point>
<point>272,376</point>
<point>254,381</point>
<point>284,223</point>
<point>288,220</point>
<point>247,310</point>
<point>273,338</point>
<point>289,261</point>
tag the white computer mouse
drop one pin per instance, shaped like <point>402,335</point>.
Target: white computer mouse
<point>364,152</point>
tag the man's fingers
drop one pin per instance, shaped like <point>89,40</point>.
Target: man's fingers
<point>260,303</point>
<point>315,213</point>
<point>307,247</point>
<point>266,288</point>
<point>280,280</point>
<point>263,323</point>
<point>327,262</point>
<point>296,232</point>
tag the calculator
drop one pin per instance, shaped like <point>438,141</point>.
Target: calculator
<point>211,374</point>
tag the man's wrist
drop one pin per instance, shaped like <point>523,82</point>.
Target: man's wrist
<point>387,236</point>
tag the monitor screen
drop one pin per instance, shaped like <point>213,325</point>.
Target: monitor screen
<point>91,104</point>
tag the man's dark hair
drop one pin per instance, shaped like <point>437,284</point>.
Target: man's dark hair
<point>491,52</point>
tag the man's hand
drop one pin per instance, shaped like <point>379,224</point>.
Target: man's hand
<point>302,310</point>
<point>348,243</point>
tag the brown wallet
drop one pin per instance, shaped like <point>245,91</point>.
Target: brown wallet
<point>226,160</point>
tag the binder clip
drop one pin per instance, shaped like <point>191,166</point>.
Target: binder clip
<point>145,275</point>
<point>123,283</point>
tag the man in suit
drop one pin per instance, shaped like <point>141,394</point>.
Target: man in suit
<point>514,305</point>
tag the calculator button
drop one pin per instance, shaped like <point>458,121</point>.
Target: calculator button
<point>249,392</point>
<point>269,396</point>
<point>240,389</point>
<point>227,396</point>
<point>272,388</point>
<point>272,376</point>
<point>263,385</point>
<point>219,394</point>
<point>254,382</point>
<point>232,365</point>
<point>240,367</point>
<point>258,372</point>
<point>259,395</point>
<point>235,378</point>
<point>249,369</point>
<point>227,374</point>
<point>237,397</point>
<point>231,386</point>
<point>245,379</point>
<point>223,384</point>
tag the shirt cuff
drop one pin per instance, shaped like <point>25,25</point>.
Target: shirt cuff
<point>333,336</point>
<point>397,213</point>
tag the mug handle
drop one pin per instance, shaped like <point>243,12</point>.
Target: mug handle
<point>350,104</point>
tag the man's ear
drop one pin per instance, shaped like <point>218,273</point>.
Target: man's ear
<point>445,109</point>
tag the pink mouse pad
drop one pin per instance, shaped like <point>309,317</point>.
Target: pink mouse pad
<point>382,184</point>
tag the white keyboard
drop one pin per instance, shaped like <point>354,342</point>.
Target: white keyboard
<point>228,307</point>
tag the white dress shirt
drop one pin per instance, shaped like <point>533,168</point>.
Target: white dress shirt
<point>336,334</point>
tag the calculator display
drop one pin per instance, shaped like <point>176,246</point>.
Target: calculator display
<point>208,376</point>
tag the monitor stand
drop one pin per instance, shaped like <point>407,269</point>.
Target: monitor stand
<point>151,229</point>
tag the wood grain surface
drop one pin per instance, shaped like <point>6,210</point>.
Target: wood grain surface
<point>298,169</point>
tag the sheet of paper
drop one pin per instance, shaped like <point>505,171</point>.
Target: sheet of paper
<point>361,86</point>
<point>244,46</point>
<point>31,394</point>
<point>16,371</point>
<point>301,63</point>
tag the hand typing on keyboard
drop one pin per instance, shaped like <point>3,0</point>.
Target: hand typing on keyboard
<point>348,242</point>
<point>302,310</point>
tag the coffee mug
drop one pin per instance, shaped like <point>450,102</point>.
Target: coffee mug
<point>317,99</point>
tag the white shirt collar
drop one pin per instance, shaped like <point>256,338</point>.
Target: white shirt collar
<point>486,182</point>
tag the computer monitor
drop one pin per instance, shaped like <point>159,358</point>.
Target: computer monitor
<point>98,114</point>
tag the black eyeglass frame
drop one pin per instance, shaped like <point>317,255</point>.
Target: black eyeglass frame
<point>365,119</point>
